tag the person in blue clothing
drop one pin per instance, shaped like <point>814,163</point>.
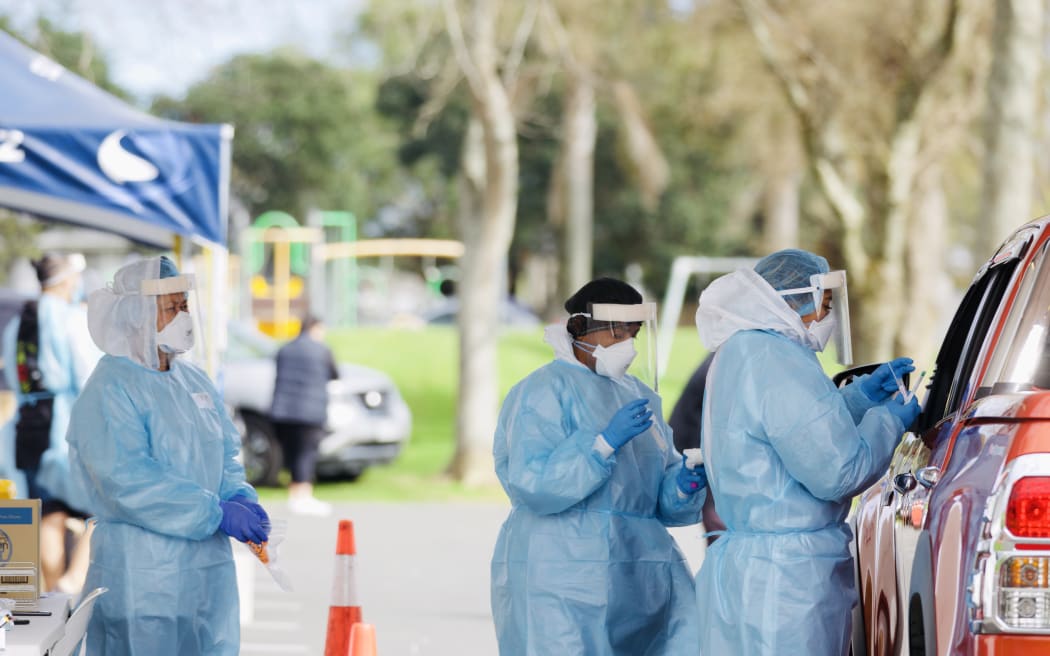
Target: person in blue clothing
<point>584,563</point>
<point>685,423</point>
<point>154,450</point>
<point>785,452</point>
<point>50,357</point>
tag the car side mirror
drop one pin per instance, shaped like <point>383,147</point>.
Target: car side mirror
<point>904,483</point>
<point>928,476</point>
<point>845,377</point>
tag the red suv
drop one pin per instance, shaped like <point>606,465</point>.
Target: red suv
<point>953,543</point>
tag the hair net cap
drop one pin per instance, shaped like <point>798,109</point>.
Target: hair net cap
<point>791,268</point>
<point>602,290</point>
<point>167,268</point>
<point>122,321</point>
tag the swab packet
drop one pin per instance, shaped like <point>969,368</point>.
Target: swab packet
<point>268,553</point>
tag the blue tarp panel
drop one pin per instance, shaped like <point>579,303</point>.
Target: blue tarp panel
<point>72,152</point>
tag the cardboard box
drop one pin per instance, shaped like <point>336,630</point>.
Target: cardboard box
<point>20,551</point>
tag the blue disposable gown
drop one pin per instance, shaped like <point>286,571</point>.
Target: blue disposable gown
<point>65,359</point>
<point>584,563</point>
<point>785,453</point>
<point>155,452</point>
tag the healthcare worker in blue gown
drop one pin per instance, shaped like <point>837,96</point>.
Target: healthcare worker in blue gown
<point>54,330</point>
<point>584,563</point>
<point>151,444</point>
<point>786,451</point>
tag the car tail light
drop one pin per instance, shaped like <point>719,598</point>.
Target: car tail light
<point>1024,593</point>
<point>1026,572</point>
<point>1009,590</point>
<point>1028,511</point>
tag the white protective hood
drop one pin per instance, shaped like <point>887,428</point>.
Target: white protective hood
<point>743,300</point>
<point>560,340</point>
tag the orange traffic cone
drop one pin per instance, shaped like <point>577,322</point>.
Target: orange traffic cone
<point>345,610</point>
<point>362,640</point>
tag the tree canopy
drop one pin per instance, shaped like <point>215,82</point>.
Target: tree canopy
<point>306,134</point>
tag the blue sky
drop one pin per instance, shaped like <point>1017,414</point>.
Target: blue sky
<point>164,46</point>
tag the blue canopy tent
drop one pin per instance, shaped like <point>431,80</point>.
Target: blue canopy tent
<point>72,152</point>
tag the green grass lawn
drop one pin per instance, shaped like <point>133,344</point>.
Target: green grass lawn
<point>425,366</point>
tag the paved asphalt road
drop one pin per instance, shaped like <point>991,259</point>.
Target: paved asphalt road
<point>422,574</point>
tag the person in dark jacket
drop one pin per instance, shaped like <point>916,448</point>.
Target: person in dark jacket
<point>685,422</point>
<point>300,410</point>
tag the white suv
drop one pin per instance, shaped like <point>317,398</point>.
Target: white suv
<point>368,421</point>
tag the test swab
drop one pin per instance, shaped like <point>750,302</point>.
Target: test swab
<point>900,383</point>
<point>693,457</point>
<point>911,394</point>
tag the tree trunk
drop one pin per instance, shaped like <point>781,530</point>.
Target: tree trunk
<point>478,297</point>
<point>882,287</point>
<point>927,285</point>
<point>780,210</point>
<point>872,199</point>
<point>487,225</point>
<point>648,165</point>
<point>1010,139</point>
<point>783,167</point>
<point>579,134</point>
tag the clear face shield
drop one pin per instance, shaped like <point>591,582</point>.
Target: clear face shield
<point>179,326</point>
<point>836,322</point>
<point>629,344</point>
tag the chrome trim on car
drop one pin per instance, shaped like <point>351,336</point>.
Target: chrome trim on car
<point>928,476</point>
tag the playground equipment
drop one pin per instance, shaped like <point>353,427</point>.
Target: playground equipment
<point>683,268</point>
<point>288,270</point>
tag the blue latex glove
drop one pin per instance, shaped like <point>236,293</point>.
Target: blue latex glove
<point>629,421</point>
<point>240,523</point>
<point>254,507</point>
<point>691,480</point>
<point>906,412</point>
<point>882,383</point>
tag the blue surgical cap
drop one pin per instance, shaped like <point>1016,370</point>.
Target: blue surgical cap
<point>167,268</point>
<point>791,268</point>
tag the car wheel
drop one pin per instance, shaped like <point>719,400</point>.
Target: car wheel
<point>260,451</point>
<point>345,474</point>
<point>916,628</point>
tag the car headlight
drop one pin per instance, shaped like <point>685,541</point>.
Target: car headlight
<point>372,399</point>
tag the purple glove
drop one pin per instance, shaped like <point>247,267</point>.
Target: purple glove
<point>254,507</point>
<point>240,523</point>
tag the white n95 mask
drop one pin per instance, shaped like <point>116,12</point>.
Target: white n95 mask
<point>613,361</point>
<point>177,336</point>
<point>819,332</point>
